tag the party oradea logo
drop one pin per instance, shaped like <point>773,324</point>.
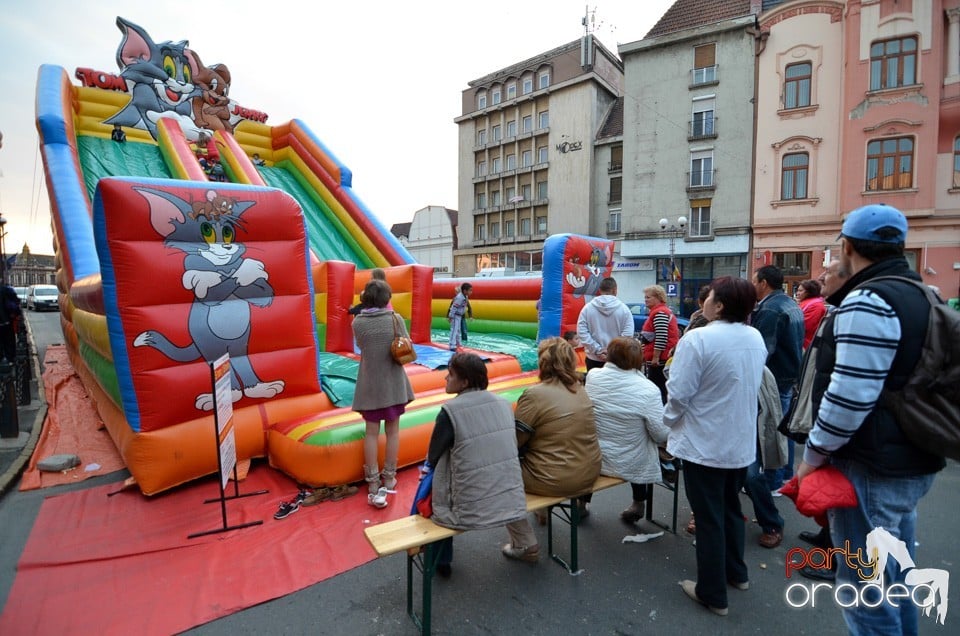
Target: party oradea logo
<point>927,588</point>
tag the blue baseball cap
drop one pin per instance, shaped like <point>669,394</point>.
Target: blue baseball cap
<point>877,222</point>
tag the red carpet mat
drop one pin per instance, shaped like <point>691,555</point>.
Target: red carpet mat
<point>99,564</point>
<point>72,427</point>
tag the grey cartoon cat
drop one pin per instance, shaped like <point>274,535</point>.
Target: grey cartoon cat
<point>224,285</point>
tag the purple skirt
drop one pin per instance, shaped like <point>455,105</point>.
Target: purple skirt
<point>386,414</point>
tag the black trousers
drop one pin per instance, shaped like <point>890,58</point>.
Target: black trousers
<point>714,496</point>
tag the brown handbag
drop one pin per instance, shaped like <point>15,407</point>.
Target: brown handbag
<point>401,348</point>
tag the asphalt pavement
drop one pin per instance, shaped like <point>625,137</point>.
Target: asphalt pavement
<point>623,588</point>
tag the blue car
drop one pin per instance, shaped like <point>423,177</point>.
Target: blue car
<point>639,311</point>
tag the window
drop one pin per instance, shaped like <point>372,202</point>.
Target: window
<point>496,134</point>
<point>511,162</point>
<point>508,228</point>
<point>616,190</point>
<point>511,192</point>
<point>481,200</point>
<point>890,164</point>
<point>527,123</point>
<point>705,63</point>
<point>512,128</point>
<point>956,162</point>
<point>511,90</point>
<point>525,227</point>
<point>541,225</point>
<point>893,63</point>
<point>795,170</point>
<point>496,165</point>
<point>481,232</point>
<point>542,190</point>
<point>796,87</point>
<point>699,218</point>
<point>613,225</point>
<point>495,198</point>
<point>616,158</point>
<point>481,101</point>
<point>482,169</point>
<point>495,96</point>
<point>482,137</point>
<point>544,80</point>
<point>702,124</point>
<point>701,169</point>
<point>525,191</point>
<point>527,85</point>
<point>545,119</point>
<point>494,230</point>
<point>542,154</point>
<point>526,158</point>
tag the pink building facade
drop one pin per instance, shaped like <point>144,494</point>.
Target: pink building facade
<point>858,102</point>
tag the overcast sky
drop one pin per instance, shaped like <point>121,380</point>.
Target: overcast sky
<point>378,82</point>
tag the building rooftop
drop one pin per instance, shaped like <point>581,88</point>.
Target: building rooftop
<point>686,14</point>
<point>613,125</point>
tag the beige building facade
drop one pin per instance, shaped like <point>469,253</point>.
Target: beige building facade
<point>526,154</point>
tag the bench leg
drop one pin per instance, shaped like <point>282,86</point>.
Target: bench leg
<point>569,513</point>
<point>675,489</point>
<point>426,563</point>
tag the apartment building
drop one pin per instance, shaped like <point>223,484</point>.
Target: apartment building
<point>858,103</point>
<point>525,160</point>
<point>687,153</point>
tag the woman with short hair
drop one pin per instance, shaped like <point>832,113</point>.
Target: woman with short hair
<point>629,418</point>
<point>712,415</point>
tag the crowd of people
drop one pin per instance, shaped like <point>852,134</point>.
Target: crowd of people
<point>713,399</point>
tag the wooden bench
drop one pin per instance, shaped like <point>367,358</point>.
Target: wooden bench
<point>418,536</point>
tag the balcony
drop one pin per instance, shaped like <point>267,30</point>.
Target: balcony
<point>701,180</point>
<point>704,128</point>
<point>704,76</point>
<point>478,211</point>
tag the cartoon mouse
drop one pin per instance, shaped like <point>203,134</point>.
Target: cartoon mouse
<point>211,108</point>
<point>224,284</point>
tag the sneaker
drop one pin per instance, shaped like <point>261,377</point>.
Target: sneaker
<point>776,493</point>
<point>743,586</point>
<point>378,499</point>
<point>302,495</point>
<point>530,554</point>
<point>287,508</point>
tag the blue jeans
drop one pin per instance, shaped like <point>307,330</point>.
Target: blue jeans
<point>758,489</point>
<point>455,333</point>
<point>889,503</point>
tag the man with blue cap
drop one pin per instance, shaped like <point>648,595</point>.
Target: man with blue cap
<point>872,342</point>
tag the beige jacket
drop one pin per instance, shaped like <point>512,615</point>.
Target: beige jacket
<point>563,456</point>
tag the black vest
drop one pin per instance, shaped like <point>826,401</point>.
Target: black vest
<point>879,443</point>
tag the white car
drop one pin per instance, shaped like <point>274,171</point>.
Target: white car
<point>41,297</point>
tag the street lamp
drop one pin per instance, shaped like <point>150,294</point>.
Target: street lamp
<point>673,232</point>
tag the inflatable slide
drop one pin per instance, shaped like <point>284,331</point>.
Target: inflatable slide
<point>185,228</point>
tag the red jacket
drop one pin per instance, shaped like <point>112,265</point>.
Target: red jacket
<point>649,331</point>
<point>814,309</point>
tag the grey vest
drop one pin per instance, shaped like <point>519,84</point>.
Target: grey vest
<point>477,483</point>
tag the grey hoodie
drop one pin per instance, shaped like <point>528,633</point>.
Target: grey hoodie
<point>601,320</point>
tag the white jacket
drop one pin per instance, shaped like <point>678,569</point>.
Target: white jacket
<point>629,415</point>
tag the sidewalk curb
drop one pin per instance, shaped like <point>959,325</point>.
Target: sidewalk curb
<point>10,476</point>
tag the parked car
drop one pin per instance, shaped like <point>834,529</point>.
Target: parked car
<point>41,297</point>
<point>22,295</point>
<point>640,313</point>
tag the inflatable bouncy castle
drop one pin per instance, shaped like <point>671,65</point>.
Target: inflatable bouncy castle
<point>185,228</point>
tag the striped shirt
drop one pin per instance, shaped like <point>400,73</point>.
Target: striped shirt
<point>867,332</point>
